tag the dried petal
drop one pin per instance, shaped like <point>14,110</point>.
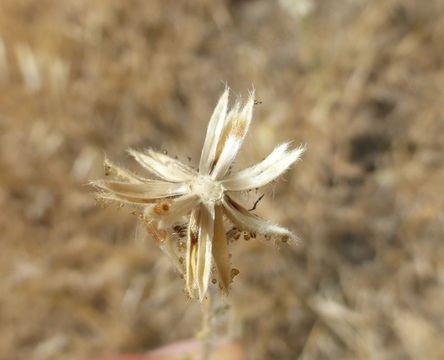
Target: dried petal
<point>264,172</point>
<point>220,250</point>
<point>215,126</point>
<point>191,252</point>
<point>237,129</point>
<point>243,219</point>
<point>120,173</point>
<point>205,243</point>
<point>148,190</point>
<point>163,166</point>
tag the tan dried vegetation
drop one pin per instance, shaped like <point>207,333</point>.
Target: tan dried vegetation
<point>360,82</point>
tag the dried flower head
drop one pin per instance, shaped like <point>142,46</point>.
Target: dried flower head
<point>185,210</point>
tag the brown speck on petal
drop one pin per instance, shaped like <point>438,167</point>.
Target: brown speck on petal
<point>162,208</point>
<point>180,230</point>
<point>233,203</point>
<point>194,237</point>
<point>234,273</point>
<point>159,235</point>
<point>239,128</point>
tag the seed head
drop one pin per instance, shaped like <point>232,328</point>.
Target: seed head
<point>202,199</point>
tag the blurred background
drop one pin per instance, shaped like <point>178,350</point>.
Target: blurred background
<point>360,82</point>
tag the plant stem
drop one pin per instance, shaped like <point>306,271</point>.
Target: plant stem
<point>207,327</point>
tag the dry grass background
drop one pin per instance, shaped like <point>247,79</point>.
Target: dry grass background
<point>360,82</point>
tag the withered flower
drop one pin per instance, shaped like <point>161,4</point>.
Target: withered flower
<point>191,204</point>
